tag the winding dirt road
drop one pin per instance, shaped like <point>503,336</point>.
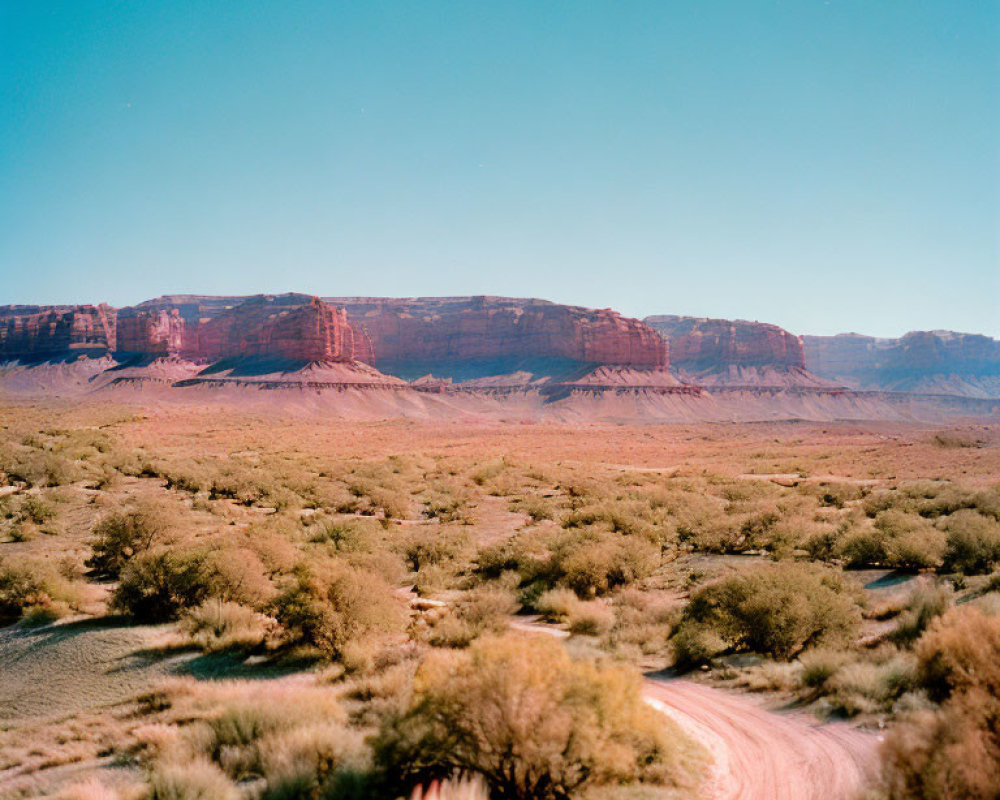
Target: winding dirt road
<point>763,755</point>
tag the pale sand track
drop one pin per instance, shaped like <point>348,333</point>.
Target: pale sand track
<point>763,755</point>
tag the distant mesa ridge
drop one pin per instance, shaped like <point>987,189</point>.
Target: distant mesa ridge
<point>496,346</point>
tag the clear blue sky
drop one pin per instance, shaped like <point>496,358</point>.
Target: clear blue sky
<point>827,166</point>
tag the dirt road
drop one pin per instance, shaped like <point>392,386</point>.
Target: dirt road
<point>763,755</point>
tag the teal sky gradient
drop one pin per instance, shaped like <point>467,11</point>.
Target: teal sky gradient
<point>828,166</point>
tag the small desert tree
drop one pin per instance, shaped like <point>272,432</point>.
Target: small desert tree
<point>533,723</point>
<point>779,609</point>
<point>120,537</point>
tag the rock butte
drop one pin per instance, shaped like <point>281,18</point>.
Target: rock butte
<point>40,332</point>
<point>698,343</point>
<point>500,343</point>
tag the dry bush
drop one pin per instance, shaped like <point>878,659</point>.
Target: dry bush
<point>484,610</point>
<point>120,537</point>
<point>954,751</point>
<point>960,652</point>
<point>945,754</point>
<point>896,539</point>
<point>157,585</point>
<point>350,535</point>
<point>433,546</point>
<point>642,621</point>
<point>556,605</point>
<point>217,625</point>
<point>538,508</point>
<point>778,609</point>
<point>926,601</point>
<point>862,687</point>
<point>198,779</point>
<point>326,605</point>
<point>820,665</point>
<point>534,724</point>
<point>594,565</point>
<point>973,543</point>
<point>290,735</point>
<point>236,574</point>
<point>37,591</point>
<point>591,618</point>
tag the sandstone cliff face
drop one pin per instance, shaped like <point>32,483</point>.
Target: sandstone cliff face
<point>39,332</point>
<point>439,331</point>
<point>289,326</point>
<point>296,327</point>
<point>698,344</point>
<point>155,332</point>
<point>937,362</point>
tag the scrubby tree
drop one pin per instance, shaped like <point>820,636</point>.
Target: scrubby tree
<point>122,536</point>
<point>533,723</point>
<point>778,609</point>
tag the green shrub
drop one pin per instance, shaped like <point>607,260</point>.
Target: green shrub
<point>778,609</point>
<point>120,537</point>
<point>157,585</point>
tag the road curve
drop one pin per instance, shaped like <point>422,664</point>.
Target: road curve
<point>763,755</point>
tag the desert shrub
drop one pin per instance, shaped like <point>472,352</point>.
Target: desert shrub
<point>484,473</point>
<point>36,510</point>
<point>820,665</point>
<point>960,652</point>
<point>484,610</point>
<point>35,590</point>
<point>949,753</point>
<point>778,609</point>
<point>291,739</point>
<point>838,495</point>
<point>120,537</point>
<point>627,517</point>
<point>896,539</point>
<point>862,687</point>
<point>435,546</point>
<point>450,505</point>
<point>642,621</point>
<point>487,609</point>
<point>158,584</point>
<point>973,543</point>
<point>695,644</point>
<point>328,605</point>
<point>218,625</point>
<point>534,724</point>
<point>237,574</point>
<point>536,507</point>
<point>954,751</point>
<point>556,605</point>
<point>20,590</point>
<point>926,602</point>
<point>593,567</point>
<point>590,618</point>
<point>193,780</point>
